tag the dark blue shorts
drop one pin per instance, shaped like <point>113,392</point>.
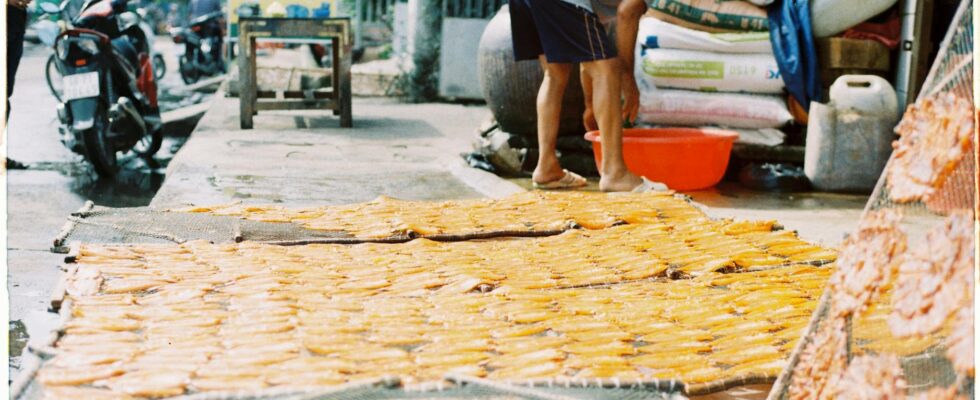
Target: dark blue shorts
<point>563,32</point>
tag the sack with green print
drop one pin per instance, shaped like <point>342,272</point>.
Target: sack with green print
<point>710,72</point>
<point>654,33</point>
<point>711,15</point>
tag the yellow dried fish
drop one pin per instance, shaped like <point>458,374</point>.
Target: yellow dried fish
<point>87,393</point>
<point>703,375</point>
<point>130,285</point>
<point>540,370</point>
<point>249,315</point>
<point>428,360</point>
<point>529,358</point>
<point>229,384</point>
<point>54,376</point>
<point>99,325</point>
<point>518,331</point>
<point>150,383</point>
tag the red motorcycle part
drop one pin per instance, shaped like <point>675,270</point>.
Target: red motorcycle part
<point>147,82</point>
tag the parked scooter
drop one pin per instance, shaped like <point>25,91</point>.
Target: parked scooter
<point>49,30</point>
<point>202,39</point>
<point>109,89</point>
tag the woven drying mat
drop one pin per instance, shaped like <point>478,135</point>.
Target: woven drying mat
<point>454,386</point>
<point>521,214</point>
<point>145,225</point>
<point>740,310</point>
<point>625,265</point>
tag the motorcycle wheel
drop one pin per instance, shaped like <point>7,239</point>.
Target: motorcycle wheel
<point>98,149</point>
<point>53,77</point>
<point>149,144</point>
<point>159,67</point>
<point>187,72</point>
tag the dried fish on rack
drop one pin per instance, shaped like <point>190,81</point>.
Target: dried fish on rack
<point>935,279</point>
<point>961,346</point>
<point>936,133</point>
<point>867,261</point>
<point>872,377</point>
<point>821,363</point>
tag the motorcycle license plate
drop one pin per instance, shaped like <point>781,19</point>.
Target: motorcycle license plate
<point>80,86</point>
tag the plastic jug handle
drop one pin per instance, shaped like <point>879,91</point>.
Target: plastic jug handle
<point>859,83</point>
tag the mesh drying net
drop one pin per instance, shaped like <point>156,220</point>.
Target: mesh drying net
<point>897,318</point>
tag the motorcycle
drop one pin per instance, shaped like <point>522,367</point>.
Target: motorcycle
<point>48,32</point>
<point>109,94</point>
<point>200,38</point>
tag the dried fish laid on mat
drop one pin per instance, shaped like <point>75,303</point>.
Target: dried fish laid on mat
<point>87,393</point>
<point>522,213</point>
<point>936,279</point>
<point>783,246</point>
<point>573,259</point>
<point>666,233</point>
<point>936,134</point>
<point>872,335</point>
<point>248,322</point>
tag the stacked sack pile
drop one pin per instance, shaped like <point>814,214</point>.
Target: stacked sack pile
<point>708,62</point>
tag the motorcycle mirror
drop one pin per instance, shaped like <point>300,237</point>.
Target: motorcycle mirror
<point>50,8</point>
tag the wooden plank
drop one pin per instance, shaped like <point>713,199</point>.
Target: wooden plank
<point>74,248</point>
<point>295,105</point>
<point>337,50</point>
<point>853,54</point>
<point>61,289</point>
<point>246,76</point>
<point>840,56</point>
<point>343,71</point>
<point>295,94</point>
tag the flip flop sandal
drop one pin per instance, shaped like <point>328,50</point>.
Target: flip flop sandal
<point>570,180</point>
<point>649,186</point>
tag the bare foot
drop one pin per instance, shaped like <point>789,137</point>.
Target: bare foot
<point>621,182</point>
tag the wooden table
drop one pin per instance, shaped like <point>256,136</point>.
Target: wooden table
<point>337,98</point>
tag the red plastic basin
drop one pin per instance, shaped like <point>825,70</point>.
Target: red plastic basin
<point>682,158</point>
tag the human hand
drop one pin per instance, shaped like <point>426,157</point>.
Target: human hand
<point>631,99</point>
<point>588,119</point>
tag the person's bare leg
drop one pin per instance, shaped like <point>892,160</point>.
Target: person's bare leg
<point>627,25</point>
<point>549,115</point>
<point>605,101</point>
<point>588,117</point>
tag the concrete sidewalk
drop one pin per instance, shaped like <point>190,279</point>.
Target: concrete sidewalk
<point>408,151</point>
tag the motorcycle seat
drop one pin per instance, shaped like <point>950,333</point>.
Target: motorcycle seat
<point>126,50</point>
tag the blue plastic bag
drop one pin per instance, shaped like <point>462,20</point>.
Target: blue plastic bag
<point>297,11</point>
<point>796,53</point>
<point>322,12</point>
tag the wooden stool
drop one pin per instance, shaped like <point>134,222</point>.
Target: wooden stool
<point>338,98</point>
